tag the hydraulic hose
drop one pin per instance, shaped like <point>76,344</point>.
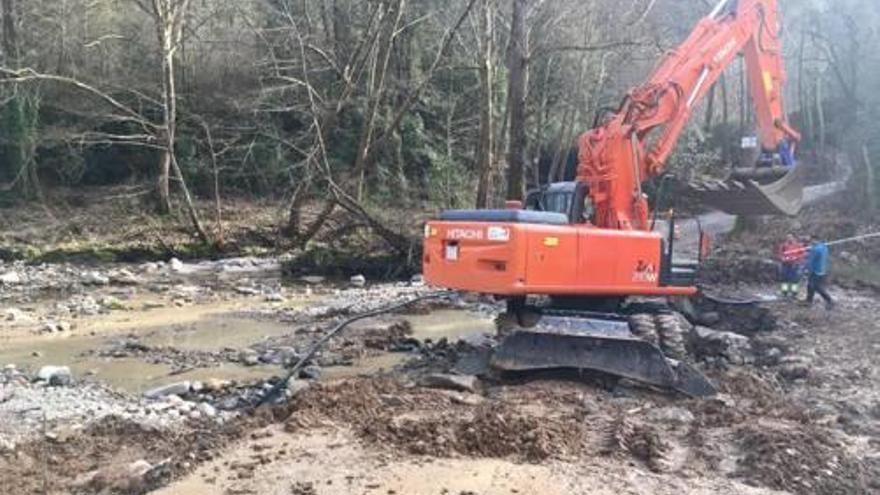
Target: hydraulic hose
<point>294,371</point>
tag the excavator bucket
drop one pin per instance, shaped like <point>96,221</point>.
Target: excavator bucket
<point>600,345</point>
<point>770,191</point>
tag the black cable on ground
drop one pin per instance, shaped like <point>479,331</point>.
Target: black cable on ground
<point>294,371</point>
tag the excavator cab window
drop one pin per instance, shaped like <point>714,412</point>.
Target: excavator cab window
<point>568,198</point>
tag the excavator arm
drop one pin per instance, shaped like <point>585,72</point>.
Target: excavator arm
<point>616,158</point>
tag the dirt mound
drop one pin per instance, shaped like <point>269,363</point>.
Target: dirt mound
<point>746,395</point>
<point>99,458</point>
<point>801,459</point>
<point>434,422</point>
<point>489,431</point>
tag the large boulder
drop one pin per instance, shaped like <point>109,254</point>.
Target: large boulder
<point>733,347</point>
<point>178,389</point>
<point>56,376</point>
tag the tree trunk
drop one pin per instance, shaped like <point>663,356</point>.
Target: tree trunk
<point>485,147</point>
<point>725,119</point>
<point>710,110</point>
<point>870,184</point>
<point>820,114</point>
<point>390,25</point>
<point>518,66</point>
<point>10,33</point>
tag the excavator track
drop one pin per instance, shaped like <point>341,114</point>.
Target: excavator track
<point>646,344</point>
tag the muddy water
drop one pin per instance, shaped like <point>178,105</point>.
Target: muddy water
<point>209,327</point>
<point>198,328</point>
<point>450,324</point>
<point>213,332</point>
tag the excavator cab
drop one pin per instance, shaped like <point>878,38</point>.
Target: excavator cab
<point>572,199</point>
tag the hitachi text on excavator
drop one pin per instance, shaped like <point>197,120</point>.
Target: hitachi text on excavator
<point>582,270</point>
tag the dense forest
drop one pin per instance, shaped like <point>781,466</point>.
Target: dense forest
<point>403,104</point>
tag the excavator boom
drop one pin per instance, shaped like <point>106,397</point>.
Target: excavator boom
<point>635,142</point>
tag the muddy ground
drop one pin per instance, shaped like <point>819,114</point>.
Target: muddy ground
<point>167,360</point>
<point>145,377</point>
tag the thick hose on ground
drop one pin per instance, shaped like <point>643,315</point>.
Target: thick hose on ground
<point>294,371</point>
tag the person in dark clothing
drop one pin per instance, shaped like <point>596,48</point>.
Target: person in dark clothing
<point>817,265</point>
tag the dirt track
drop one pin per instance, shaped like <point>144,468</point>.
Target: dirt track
<point>804,418</point>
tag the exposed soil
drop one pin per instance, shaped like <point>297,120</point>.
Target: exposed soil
<point>798,412</point>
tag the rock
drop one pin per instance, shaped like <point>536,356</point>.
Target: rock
<point>56,327</point>
<point>61,434</point>
<point>358,281</point>
<point>467,399</point>
<point>215,385</point>
<point>724,400</point>
<point>461,383</point>
<point>16,315</point>
<point>176,265</point>
<point>10,278</point>
<point>94,278</point>
<point>296,387</point>
<point>795,367</point>
<point>139,468</point>
<point>310,372</point>
<point>249,357</point>
<point>671,415</point>
<point>207,410</point>
<point>772,356</point>
<point>197,387</point>
<point>124,277</point>
<point>709,319</point>
<point>313,279</point>
<point>173,389</point>
<point>734,347</point>
<point>10,368</point>
<point>56,376</point>
<point>194,414</point>
<point>7,445</point>
<point>417,279</point>
<point>247,291</point>
<point>150,267</point>
<point>288,356</point>
<point>112,303</point>
<point>275,297</point>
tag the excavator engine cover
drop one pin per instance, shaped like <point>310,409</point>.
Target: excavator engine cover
<point>769,191</point>
<point>599,344</point>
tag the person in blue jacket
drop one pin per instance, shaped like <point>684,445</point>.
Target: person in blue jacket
<point>817,266</point>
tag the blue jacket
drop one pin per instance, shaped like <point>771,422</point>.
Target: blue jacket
<point>818,260</point>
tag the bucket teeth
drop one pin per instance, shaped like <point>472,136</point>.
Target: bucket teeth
<point>772,195</point>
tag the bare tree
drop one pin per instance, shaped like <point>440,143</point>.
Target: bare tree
<point>518,73</point>
<point>391,17</point>
<point>169,17</point>
<point>485,156</point>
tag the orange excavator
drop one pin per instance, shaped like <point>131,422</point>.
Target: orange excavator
<point>582,270</point>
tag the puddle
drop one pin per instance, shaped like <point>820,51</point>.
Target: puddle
<point>214,332</point>
<point>369,365</point>
<point>203,328</point>
<point>451,324</point>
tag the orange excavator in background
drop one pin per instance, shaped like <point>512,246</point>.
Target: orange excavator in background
<point>582,270</point>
